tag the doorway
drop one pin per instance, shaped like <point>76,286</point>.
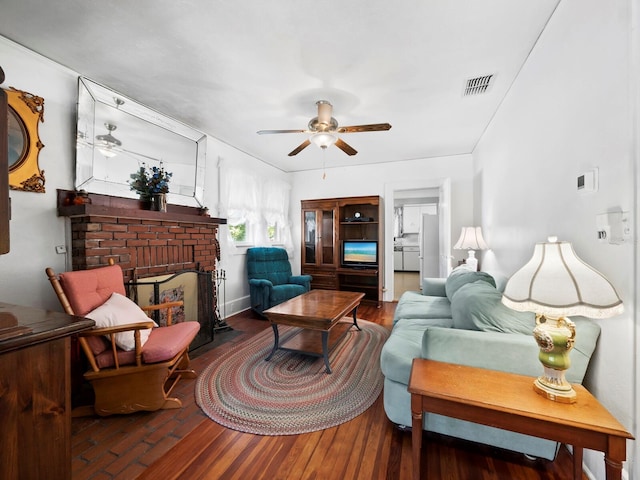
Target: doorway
<point>438,189</point>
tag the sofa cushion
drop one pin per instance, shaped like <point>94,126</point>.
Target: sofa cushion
<point>404,344</point>
<point>416,305</point>
<point>478,306</point>
<point>462,276</point>
<point>434,287</point>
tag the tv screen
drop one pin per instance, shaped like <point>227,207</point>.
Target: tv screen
<point>360,253</point>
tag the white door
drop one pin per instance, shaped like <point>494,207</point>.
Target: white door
<point>429,246</point>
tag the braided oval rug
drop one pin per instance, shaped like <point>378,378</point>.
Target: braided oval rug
<point>291,393</point>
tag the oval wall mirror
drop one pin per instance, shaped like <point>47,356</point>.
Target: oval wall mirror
<point>117,135</point>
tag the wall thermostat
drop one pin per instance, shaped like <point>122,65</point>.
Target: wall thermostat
<point>588,181</point>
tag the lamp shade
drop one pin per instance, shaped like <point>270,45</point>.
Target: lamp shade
<point>471,239</point>
<point>556,283</point>
<point>323,139</point>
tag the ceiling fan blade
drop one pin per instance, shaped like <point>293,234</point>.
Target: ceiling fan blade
<point>300,147</point>
<point>345,147</point>
<point>263,132</point>
<point>374,127</point>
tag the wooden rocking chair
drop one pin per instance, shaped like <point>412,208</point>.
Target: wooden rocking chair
<point>125,381</point>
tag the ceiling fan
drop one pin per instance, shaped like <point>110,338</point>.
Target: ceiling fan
<point>324,129</point>
<point>110,146</point>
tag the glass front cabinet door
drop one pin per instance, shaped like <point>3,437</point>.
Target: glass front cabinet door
<point>319,250</point>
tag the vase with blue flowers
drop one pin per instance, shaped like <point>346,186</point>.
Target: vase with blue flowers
<point>152,185</point>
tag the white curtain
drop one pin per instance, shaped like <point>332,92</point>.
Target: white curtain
<point>243,194</point>
<point>245,198</point>
<point>275,210</point>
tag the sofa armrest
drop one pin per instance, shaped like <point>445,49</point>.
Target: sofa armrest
<point>259,293</point>
<point>506,352</point>
<point>434,287</point>
<point>304,280</point>
<point>260,283</point>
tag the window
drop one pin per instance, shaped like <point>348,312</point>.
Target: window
<point>257,210</point>
<point>274,233</point>
<point>238,232</point>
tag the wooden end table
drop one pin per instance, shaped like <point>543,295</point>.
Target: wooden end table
<point>508,401</point>
<point>316,310</point>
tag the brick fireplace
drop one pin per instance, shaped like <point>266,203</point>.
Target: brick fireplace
<point>143,242</point>
<point>146,244</point>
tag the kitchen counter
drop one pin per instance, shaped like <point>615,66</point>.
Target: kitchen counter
<point>406,258</point>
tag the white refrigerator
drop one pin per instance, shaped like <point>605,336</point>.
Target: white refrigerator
<point>429,241</point>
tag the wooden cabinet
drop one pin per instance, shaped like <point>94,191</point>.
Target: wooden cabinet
<point>326,224</point>
<point>35,391</point>
<point>319,242</point>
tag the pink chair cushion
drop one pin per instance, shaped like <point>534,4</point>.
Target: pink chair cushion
<point>88,289</point>
<point>163,344</point>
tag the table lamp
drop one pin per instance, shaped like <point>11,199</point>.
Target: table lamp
<point>555,284</point>
<point>471,239</point>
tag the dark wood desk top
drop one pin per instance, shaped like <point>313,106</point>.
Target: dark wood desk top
<point>37,325</point>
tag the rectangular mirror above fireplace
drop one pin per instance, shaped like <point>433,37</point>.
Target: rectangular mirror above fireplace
<point>117,135</point>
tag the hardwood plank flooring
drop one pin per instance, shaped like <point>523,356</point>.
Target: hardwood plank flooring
<point>185,444</point>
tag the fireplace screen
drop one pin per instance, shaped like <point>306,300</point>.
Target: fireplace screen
<point>195,289</point>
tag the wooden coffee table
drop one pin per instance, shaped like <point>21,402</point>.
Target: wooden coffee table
<point>315,311</point>
<point>508,401</point>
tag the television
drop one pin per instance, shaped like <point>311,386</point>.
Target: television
<point>360,253</point>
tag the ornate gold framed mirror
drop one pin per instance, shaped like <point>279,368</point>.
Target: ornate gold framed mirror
<point>25,111</point>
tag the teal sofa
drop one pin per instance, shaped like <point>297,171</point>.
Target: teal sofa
<point>462,320</point>
<point>270,278</point>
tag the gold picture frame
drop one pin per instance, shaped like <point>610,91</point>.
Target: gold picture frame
<point>25,112</point>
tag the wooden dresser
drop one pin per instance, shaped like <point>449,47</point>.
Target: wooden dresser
<point>35,391</point>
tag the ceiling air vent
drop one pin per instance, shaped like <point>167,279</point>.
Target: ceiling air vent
<point>478,85</point>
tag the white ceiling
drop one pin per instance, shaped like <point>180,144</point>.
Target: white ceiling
<point>232,67</point>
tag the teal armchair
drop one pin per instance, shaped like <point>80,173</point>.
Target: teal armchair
<point>270,278</point>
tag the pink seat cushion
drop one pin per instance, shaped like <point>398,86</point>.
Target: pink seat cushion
<point>163,344</point>
<point>166,342</point>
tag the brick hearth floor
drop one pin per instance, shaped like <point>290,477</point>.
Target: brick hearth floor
<point>122,446</point>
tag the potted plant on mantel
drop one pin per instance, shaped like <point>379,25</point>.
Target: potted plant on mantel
<point>152,185</point>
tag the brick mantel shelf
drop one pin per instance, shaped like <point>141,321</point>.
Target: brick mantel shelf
<point>144,242</point>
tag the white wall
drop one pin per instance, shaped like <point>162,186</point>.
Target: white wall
<point>35,228</point>
<point>569,111</point>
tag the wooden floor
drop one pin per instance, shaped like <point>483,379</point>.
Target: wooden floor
<point>404,281</point>
<point>185,444</point>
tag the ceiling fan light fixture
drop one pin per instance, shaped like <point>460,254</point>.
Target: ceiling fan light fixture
<point>109,140</point>
<point>107,152</point>
<point>323,139</point>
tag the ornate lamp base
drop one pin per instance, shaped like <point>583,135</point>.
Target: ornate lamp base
<point>553,386</point>
<point>555,337</point>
